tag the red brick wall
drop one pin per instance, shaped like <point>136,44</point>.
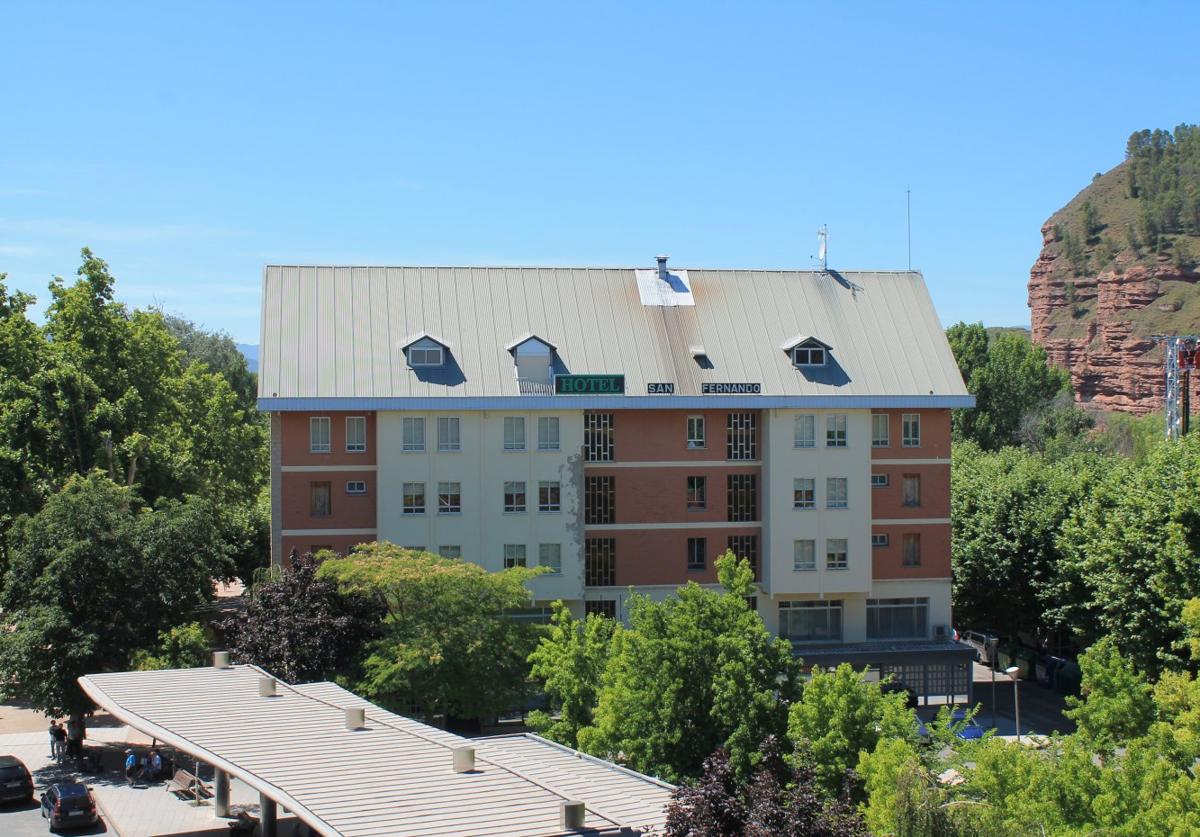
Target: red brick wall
<point>294,428</point>
<point>935,436</point>
<point>886,561</point>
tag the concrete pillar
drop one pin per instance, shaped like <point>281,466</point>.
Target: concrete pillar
<point>267,826</point>
<point>221,795</point>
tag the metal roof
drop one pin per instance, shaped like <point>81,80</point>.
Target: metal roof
<point>332,336</point>
<point>393,777</point>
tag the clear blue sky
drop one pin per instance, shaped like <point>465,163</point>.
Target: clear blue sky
<point>190,145</point>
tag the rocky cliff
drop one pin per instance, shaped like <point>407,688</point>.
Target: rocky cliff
<point>1102,288</point>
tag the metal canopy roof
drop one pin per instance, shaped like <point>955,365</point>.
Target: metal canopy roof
<point>394,777</point>
<point>331,337</point>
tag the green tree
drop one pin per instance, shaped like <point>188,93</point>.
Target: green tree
<point>1116,705</point>
<point>184,646</point>
<point>969,343</point>
<point>94,577</point>
<point>690,674</point>
<point>568,662</point>
<point>841,715</point>
<point>447,631</point>
<point>217,351</point>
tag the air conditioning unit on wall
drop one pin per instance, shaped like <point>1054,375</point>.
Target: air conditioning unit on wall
<point>941,631</point>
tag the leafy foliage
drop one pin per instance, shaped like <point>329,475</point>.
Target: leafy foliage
<point>1116,704</point>
<point>781,797</point>
<point>93,577</point>
<point>445,634</point>
<point>184,646</point>
<point>690,674</point>
<point>302,628</point>
<point>840,715</point>
<point>568,662</point>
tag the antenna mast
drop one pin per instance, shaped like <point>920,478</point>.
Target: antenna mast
<point>908,200</point>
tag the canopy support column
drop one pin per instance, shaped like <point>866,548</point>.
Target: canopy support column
<point>221,793</point>
<point>267,816</point>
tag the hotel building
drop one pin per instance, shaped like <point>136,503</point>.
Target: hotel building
<point>624,427</point>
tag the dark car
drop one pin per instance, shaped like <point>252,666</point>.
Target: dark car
<point>15,781</point>
<point>69,805</point>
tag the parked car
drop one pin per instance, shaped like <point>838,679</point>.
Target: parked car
<point>984,643</point>
<point>15,780</point>
<point>69,805</point>
<point>971,730</point>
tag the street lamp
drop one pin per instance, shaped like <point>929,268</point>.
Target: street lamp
<point>1014,673</point>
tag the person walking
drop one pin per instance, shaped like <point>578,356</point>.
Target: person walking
<point>53,731</point>
<point>60,742</point>
<point>131,766</point>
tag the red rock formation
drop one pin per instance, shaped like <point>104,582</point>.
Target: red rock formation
<point>1085,325</point>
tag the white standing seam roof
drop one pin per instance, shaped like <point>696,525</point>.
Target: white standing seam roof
<point>394,777</point>
<point>332,336</point>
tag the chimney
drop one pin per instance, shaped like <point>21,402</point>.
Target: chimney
<point>463,759</point>
<point>571,814</point>
<point>266,687</point>
<point>356,717</point>
<point>662,267</point>
<point>220,659</point>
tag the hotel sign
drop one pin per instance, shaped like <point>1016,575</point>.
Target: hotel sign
<point>731,389</point>
<point>589,384</point>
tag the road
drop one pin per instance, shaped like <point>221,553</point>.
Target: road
<point>1041,707</point>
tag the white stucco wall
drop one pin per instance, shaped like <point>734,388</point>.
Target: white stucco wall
<point>482,467</point>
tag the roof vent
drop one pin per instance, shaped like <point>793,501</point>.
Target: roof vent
<point>464,759</point>
<point>266,687</point>
<point>220,659</point>
<point>571,813</point>
<point>662,267</point>
<point>356,717</point>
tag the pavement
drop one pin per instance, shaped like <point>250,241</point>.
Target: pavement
<point>1041,707</point>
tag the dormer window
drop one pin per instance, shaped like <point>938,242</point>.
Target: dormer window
<point>424,351</point>
<point>808,356</point>
<point>806,352</point>
<point>533,358</point>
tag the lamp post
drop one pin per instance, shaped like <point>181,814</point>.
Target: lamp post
<point>992,644</point>
<point>1014,672</point>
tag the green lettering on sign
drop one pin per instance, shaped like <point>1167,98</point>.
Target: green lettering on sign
<point>589,384</point>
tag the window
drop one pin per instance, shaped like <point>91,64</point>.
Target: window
<point>514,555</point>
<point>318,434</point>
<point>449,498</point>
<point>420,548</point>
<point>879,540</point>
<point>413,498</point>
<point>548,496</point>
<point>604,607</point>
<point>835,431</point>
<point>697,553</point>
<point>356,487</point>
<point>743,497</point>
<point>550,556</point>
<point>911,489</point>
<point>881,434</point>
<point>805,433</point>
<point>514,433</point>
<point>835,493</point>
<point>514,497</point>
<point>356,434</point>
<point>412,433</point>
<point>449,551</point>
<point>804,493</point>
<point>599,500</point>
<point>598,437</point>
<point>804,556</point>
<point>897,618</point>
<point>879,480</point>
<point>320,498</point>
<point>425,353</point>
<point>910,555</point>
<point>697,493</point>
<point>819,621</point>
<point>449,433</point>
<point>547,432</point>
<point>741,436</point>
<point>600,562</point>
<point>808,356</point>
<point>912,430</point>
<point>695,432</point>
<point>745,546</point>
<point>835,554</point>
